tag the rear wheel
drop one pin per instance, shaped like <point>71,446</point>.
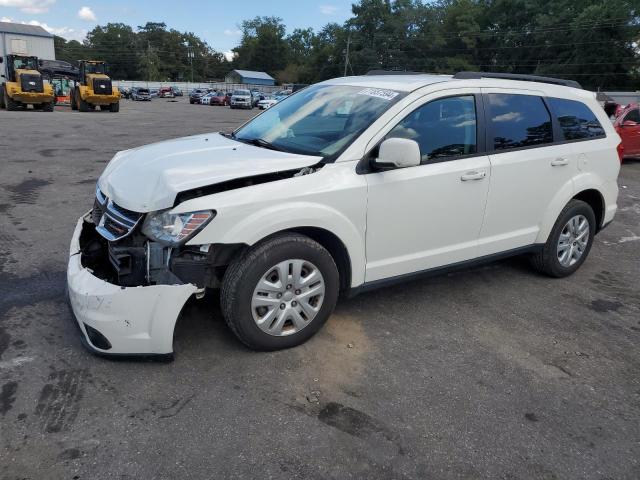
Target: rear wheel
<point>114,107</point>
<point>48,107</point>
<point>569,242</point>
<point>279,293</point>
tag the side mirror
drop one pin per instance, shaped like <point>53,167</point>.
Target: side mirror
<point>397,153</point>
<point>629,123</point>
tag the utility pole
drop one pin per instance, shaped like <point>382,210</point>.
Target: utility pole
<point>346,55</point>
<point>148,62</point>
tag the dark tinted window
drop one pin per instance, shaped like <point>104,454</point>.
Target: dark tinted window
<point>519,121</point>
<point>576,119</point>
<point>633,116</point>
<point>443,128</point>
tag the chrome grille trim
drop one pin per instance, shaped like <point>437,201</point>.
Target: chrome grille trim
<point>116,225</point>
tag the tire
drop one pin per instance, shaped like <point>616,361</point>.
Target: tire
<point>114,107</point>
<point>72,100</point>
<point>241,282</point>
<point>2,104</point>
<point>548,260</point>
<point>81,104</point>
<point>48,107</point>
<point>9,102</point>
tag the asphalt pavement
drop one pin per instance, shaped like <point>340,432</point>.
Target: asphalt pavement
<point>495,372</point>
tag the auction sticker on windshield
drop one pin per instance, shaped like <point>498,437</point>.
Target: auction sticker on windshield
<point>379,93</point>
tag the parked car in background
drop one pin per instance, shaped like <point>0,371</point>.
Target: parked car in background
<point>627,124</point>
<point>241,99</point>
<point>140,94</point>
<point>220,98</point>
<point>153,92</point>
<point>195,94</point>
<point>125,92</point>
<point>256,96</point>
<point>165,92</point>
<point>269,102</point>
<point>206,98</point>
<point>349,185</point>
<point>176,92</point>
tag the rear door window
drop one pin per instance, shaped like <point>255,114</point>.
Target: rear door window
<point>577,121</point>
<point>519,121</point>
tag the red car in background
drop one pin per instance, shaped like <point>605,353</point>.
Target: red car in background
<point>627,124</point>
<point>221,98</point>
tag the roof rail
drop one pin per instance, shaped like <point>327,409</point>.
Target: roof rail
<point>516,76</point>
<point>393,72</point>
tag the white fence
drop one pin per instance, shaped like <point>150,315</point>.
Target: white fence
<point>186,87</point>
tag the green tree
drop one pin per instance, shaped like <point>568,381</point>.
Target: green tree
<point>263,46</point>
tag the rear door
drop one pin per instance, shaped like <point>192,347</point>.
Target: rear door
<point>527,168</point>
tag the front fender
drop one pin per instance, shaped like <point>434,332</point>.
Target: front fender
<point>249,227</point>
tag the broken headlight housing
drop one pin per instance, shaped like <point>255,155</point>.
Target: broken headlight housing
<point>174,229</point>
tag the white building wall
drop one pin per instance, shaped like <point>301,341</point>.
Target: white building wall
<point>41,47</point>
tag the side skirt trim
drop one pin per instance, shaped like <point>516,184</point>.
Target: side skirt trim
<point>385,282</point>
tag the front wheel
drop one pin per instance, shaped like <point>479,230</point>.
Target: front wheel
<point>279,293</point>
<point>569,242</point>
<point>114,107</point>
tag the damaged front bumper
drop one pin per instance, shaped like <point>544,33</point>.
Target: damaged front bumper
<point>117,320</point>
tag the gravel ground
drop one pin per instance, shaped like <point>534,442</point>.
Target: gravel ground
<point>495,372</point>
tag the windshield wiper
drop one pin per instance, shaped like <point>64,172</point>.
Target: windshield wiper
<point>261,142</point>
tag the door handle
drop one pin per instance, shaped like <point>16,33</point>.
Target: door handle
<point>559,162</point>
<point>473,176</point>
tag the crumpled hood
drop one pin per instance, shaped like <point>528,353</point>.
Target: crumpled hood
<point>148,178</point>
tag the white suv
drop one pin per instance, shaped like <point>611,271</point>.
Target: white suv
<point>345,186</point>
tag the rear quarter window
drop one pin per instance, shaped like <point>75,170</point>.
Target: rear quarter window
<point>577,121</point>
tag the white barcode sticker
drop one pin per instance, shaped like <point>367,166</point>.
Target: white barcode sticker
<point>379,93</point>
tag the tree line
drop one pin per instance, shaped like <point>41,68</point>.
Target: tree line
<point>593,42</point>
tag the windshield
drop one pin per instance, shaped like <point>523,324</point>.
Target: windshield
<point>25,63</point>
<point>241,92</point>
<point>143,91</point>
<point>95,68</point>
<point>320,120</point>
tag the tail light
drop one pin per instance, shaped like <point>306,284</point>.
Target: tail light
<point>620,149</point>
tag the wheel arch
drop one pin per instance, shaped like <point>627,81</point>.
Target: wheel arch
<point>589,194</point>
<point>336,248</point>
<point>595,200</point>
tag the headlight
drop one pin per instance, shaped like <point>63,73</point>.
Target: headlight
<point>174,229</point>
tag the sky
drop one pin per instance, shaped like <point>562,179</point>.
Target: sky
<point>216,22</point>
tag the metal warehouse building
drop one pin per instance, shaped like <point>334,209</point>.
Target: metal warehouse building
<point>19,39</point>
<point>249,77</point>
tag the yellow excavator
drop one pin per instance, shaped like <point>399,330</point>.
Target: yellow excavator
<point>93,88</point>
<point>22,85</point>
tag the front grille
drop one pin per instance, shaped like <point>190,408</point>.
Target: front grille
<point>102,86</point>
<point>31,83</point>
<point>115,222</point>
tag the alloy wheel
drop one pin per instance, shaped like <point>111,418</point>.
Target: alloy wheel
<point>573,240</point>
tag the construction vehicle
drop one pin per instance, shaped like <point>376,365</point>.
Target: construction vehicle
<point>62,76</point>
<point>22,85</point>
<point>93,88</point>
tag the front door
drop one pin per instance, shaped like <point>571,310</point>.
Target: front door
<point>430,215</point>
